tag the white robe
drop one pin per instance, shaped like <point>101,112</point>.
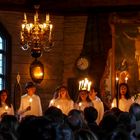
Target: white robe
<point>98,105</point>
<point>83,104</point>
<point>64,104</point>
<point>124,104</point>
<point>4,109</point>
<point>36,108</point>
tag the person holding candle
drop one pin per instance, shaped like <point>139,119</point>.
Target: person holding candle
<point>83,101</point>
<point>123,98</point>
<point>30,102</point>
<point>98,104</point>
<point>62,100</point>
<point>5,106</point>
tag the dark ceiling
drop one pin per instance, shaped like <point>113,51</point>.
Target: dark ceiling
<point>71,6</point>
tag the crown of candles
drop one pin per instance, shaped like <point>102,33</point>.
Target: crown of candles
<point>85,84</point>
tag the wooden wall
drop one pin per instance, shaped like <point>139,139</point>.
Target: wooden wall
<point>58,63</point>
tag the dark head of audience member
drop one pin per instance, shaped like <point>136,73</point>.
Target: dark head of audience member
<point>124,121</point>
<point>43,128</point>
<point>75,119</point>
<point>135,111</point>
<point>7,135</point>
<point>10,123</point>
<point>36,128</point>
<point>90,114</point>
<point>108,123</point>
<point>135,118</point>
<point>116,111</point>
<point>24,126</point>
<point>54,114</point>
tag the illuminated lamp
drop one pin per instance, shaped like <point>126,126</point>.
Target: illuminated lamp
<point>36,67</point>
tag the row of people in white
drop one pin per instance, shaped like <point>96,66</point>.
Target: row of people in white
<point>31,105</point>
<point>85,99</point>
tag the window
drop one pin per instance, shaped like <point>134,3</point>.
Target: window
<point>5,66</point>
<point>2,63</point>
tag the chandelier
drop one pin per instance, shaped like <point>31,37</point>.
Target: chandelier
<point>36,35</point>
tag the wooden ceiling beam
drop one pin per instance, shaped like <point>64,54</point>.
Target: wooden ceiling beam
<point>69,7</point>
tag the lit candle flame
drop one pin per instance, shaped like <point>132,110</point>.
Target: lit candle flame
<point>126,79</point>
<point>58,106</point>
<point>112,105</point>
<point>80,104</point>
<point>30,100</point>
<point>52,101</point>
<point>6,108</point>
<point>47,18</point>
<point>117,79</point>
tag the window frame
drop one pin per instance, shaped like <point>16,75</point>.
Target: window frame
<point>6,40</point>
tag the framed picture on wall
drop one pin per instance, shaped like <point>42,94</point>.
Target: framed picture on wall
<point>126,42</point>
<point>123,63</point>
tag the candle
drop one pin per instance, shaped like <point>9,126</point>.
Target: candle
<point>80,104</point>
<point>25,17</point>
<point>89,85</point>
<point>117,79</point>
<point>58,106</point>
<point>37,16</point>
<point>51,26</point>
<point>6,108</point>
<point>84,84</point>
<point>21,37</point>
<point>117,89</point>
<point>47,18</point>
<point>79,85</point>
<point>50,34</point>
<point>30,101</point>
<point>23,27</point>
<point>126,79</point>
<point>31,25</point>
<point>34,19</point>
<point>52,101</point>
<point>112,105</point>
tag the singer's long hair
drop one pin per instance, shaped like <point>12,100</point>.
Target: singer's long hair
<point>7,101</point>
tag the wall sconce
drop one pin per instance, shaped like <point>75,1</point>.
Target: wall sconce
<point>37,71</point>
